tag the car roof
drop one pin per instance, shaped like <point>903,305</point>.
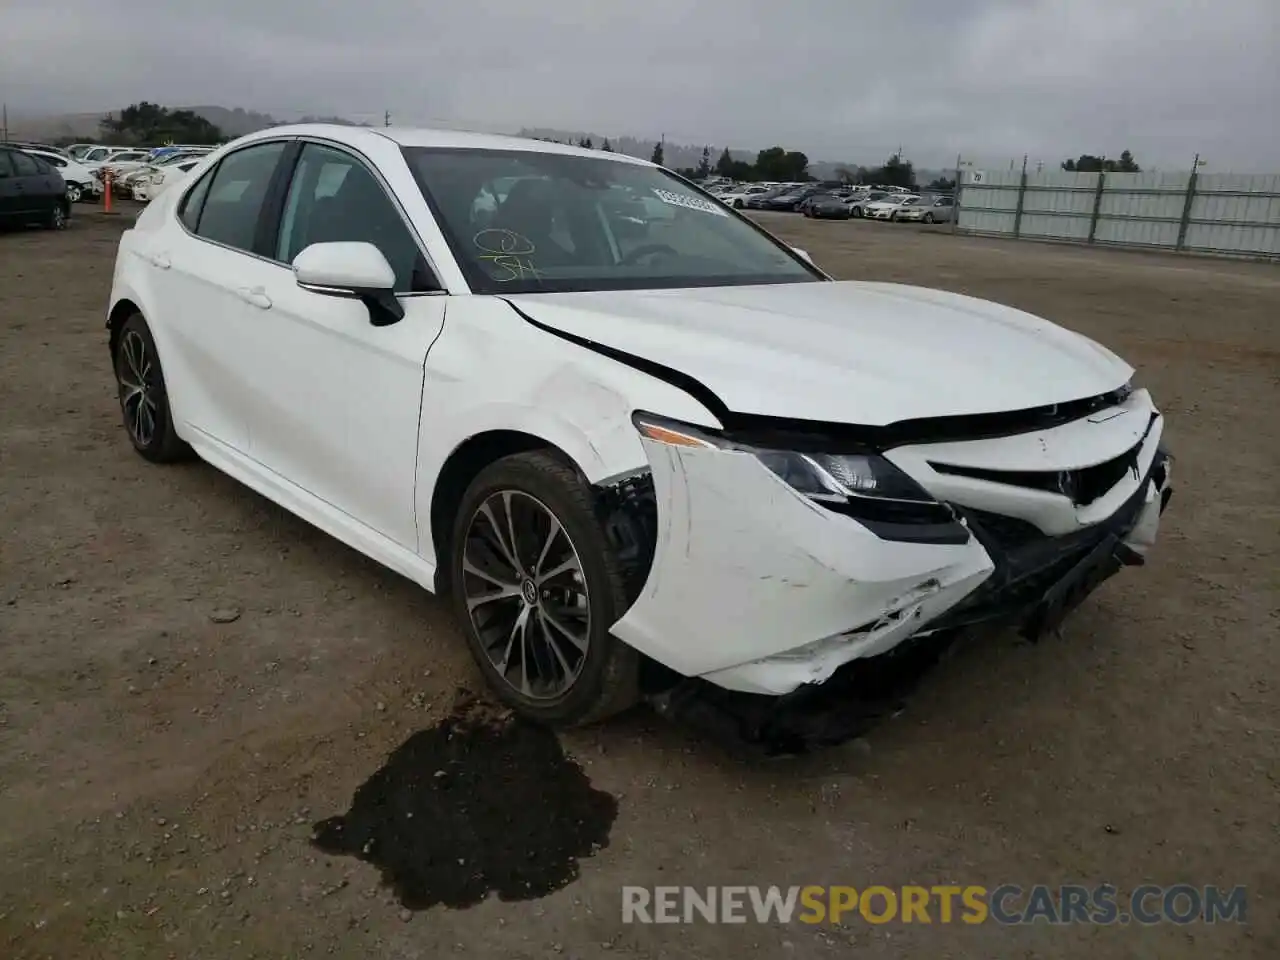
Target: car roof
<point>427,137</point>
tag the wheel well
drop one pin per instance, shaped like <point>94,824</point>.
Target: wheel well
<point>463,465</point>
<point>121,312</point>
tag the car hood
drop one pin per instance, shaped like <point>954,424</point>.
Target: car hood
<point>844,352</point>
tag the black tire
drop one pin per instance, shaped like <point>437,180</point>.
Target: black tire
<point>74,193</point>
<point>856,213</point>
<point>607,681</point>
<point>928,218</point>
<point>58,216</point>
<point>135,358</point>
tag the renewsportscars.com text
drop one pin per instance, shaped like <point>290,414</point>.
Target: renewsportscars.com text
<point>1007,904</point>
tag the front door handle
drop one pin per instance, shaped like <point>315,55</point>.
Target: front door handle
<point>256,297</point>
<point>161,260</point>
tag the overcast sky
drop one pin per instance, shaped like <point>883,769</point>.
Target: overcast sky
<point>841,80</point>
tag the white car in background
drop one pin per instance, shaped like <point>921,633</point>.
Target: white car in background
<point>96,156</point>
<point>81,183</point>
<point>887,209</point>
<point>144,173</point>
<point>738,196</point>
<point>158,179</point>
<point>123,164</point>
<point>615,442</point>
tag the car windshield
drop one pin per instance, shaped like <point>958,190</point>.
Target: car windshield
<point>523,221</point>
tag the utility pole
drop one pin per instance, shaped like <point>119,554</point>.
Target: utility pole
<point>4,123</point>
<point>386,118</point>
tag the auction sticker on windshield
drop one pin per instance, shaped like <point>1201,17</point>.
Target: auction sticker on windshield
<point>690,203</point>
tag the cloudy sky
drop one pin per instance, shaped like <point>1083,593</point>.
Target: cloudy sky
<point>839,79</point>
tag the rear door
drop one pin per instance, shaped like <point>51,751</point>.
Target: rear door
<point>201,268</point>
<point>8,186</point>
<point>33,193</point>
<point>54,185</point>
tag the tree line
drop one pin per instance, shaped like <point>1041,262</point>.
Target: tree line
<point>1088,163</point>
<point>150,123</point>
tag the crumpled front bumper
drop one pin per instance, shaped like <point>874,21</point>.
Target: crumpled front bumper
<point>758,589</point>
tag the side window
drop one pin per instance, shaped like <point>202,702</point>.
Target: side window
<point>235,196</point>
<point>333,197</point>
<point>193,202</point>
<point>24,165</point>
<point>43,165</point>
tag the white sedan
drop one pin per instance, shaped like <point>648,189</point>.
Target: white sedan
<point>889,207</point>
<point>155,180</point>
<point>81,183</point>
<point>615,440</point>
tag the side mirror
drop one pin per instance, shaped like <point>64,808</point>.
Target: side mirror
<point>803,255</point>
<point>350,269</point>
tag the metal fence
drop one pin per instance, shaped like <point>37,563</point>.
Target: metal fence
<point>1217,213</point>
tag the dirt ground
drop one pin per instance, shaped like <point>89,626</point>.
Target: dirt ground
<point>161,771</point>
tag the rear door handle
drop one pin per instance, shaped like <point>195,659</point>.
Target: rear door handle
<point>257,297</point>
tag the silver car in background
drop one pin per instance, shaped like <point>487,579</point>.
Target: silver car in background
<point>929,209</point>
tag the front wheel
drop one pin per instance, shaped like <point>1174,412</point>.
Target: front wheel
<point>74,193</point>
<point>928,218</point>
<point>537,587</point>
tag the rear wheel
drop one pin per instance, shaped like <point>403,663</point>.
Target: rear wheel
<point>536,588</point>
<point>57,218</point>
<point>144,400</point>
<point>928,218</point>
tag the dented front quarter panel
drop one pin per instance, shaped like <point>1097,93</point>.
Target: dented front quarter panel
<point>490,370</point>
<point>746,569</point>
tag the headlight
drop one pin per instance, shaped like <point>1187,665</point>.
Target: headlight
<point>863,486</point>
<point>841,476</point>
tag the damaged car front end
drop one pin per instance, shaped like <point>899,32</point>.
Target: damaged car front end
<point>802,579</point>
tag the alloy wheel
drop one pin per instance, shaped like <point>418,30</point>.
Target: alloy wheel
<point>526,594</point>
<point>73,193</point>
<point>59,217</point>
<point>139,384</point>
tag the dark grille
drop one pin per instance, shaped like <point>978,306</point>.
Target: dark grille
<point>1083,487</point>
<point>1009,532</point>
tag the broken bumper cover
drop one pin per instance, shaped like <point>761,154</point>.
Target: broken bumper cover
<point>759,590</point>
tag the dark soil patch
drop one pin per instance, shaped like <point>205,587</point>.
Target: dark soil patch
<point>476,805</point>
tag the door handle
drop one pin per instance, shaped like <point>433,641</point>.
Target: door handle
<point>161,260</point>
<point>257,297</point>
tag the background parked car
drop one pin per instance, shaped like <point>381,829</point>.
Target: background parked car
<point>931,209</point>
<point>859,201</point>
<point>31,191</point>
<point>827,206</point>
<point>841,193</point>
<point>764,201</point>
<point>738,198</point>
<point>888,208</point>
<point>100,154</point>
<point>80,181</point>
<point>122,164</point>
<point>159,179</point>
